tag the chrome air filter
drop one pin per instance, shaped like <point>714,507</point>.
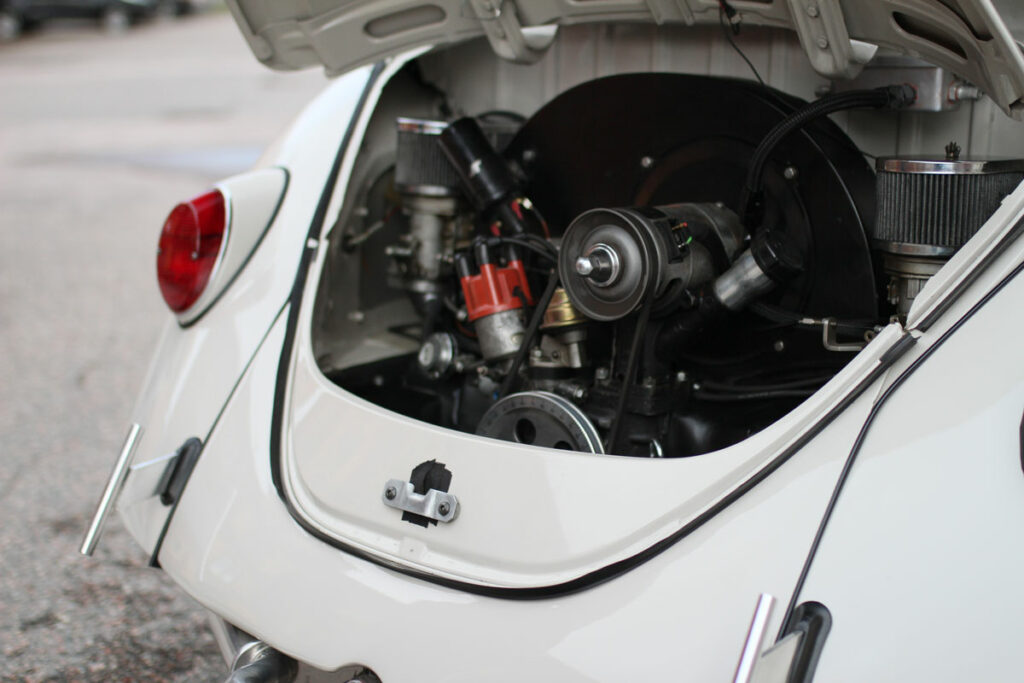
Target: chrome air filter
<point>421,168</point>
<point>927,209</point>
<point>931,207</point>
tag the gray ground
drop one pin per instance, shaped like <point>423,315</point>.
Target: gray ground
<point>99,136</point>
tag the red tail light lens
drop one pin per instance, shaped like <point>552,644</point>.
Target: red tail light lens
<point>189,245</point>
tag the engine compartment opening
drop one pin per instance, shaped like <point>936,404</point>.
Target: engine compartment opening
<point>605,273</point>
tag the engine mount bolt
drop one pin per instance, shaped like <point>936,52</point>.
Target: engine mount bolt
<point>390,492</point>
<point>443,509</point>
<point>790,173</point>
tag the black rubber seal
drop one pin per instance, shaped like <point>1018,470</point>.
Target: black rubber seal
<point>171,486</point>
<point>173,481</point>
<point>813,621</point>
<point>295,297</point>
<point>1022,443</point>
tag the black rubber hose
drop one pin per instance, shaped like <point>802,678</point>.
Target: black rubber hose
<point>750,396</point>
<point>531,332</point>
<point>892,97</point>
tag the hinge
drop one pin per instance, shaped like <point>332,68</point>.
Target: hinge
<point>823,35</point>
<point>509,39</point>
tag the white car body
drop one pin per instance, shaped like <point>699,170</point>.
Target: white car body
<point>566,566</point>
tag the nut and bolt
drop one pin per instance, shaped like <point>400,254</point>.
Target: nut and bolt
<point>646,162</point>
<point>790,173</point>
<point>443,509</point>
<point>823,42</point>
<point>779,346</point>
<point>390,492</point>
<point>812,10</point>
<point>584,266</point>
<point>601,373</point>
<point>680,376</point>
<point>356,316</point>
<point>579,393</point>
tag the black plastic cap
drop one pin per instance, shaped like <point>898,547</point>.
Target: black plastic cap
<point>777,256</point>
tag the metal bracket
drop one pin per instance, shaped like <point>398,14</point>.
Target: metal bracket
<point>507,36</point>
<point>937,89</point>
<point>436,505</point>
<point>823,35</point>
<point>828,337</point>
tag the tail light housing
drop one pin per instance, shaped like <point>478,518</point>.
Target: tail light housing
<point>190,247</point>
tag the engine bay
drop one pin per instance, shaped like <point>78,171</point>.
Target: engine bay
<point>649,265</point>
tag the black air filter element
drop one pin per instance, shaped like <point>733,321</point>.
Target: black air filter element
<point>932,207</point>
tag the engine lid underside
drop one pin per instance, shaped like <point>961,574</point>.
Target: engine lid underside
<point>965,36</point>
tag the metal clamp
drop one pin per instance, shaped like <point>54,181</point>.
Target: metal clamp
<point>436,505</point>
<point>829,340</point>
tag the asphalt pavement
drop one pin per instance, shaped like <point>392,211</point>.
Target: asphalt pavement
<point>100,135</point>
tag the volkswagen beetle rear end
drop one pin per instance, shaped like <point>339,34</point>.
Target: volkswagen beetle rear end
<point>603,341</point>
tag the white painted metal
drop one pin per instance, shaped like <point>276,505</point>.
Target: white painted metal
<point>339,449</point>
<point>683,614</point>
<point>921,562</point>
<point>250,200</point>
<point>195,369</point>
<point>965,36</point>
<point>686,610</point>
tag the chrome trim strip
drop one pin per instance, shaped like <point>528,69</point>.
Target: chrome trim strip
<point>948,166</point>
<point>755,637</point>
<point>114,485</point>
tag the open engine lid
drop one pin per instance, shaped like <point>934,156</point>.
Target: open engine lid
<point>968,37</point>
